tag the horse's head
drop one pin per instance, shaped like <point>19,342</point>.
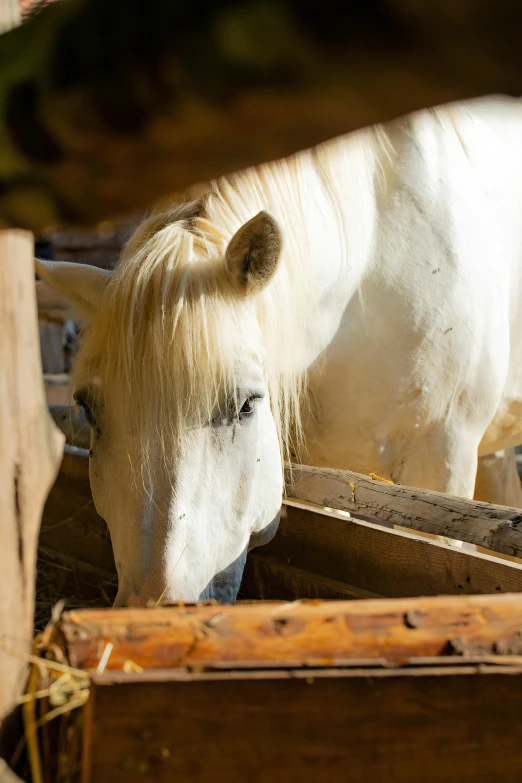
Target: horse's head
<point>185,456</point>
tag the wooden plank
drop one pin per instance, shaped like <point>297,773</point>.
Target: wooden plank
<point>9,15</point>
<point>497,528</point>
<point>267,578</point>
<point>7,775</point>
<point>311,633</point>
<point>305,727</point>
<point>382,560</point>
<point>52,347</point>
<point>30,456</point>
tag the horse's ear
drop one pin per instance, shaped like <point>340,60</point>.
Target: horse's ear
<point>80,284</point>
<point>253,253</point>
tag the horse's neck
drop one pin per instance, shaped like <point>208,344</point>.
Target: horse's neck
<point>324,199</point>
<point>340,210</point>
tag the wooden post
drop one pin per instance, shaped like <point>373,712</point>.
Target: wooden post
<point>30,447</point>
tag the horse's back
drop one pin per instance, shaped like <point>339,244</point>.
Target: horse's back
<point>428,351</point>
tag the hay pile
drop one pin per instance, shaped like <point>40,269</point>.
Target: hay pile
<point>55,582</point>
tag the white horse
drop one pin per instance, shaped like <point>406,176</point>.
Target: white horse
<point>381,270</point>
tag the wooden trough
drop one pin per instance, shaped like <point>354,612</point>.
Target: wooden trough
<point>300,688</point>
<point>420,680</point>
<point>320,550</point>
<point>337,691</point>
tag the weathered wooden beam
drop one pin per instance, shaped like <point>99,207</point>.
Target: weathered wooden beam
<point>9,15</point>
<point>106,106</point>
<point>7,775</point>
<point>31,450</point>
<point>498,528</point>
<point>271,634</point>
<point>267,577</point>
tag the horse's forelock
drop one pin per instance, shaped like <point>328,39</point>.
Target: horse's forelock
<point>169,333</point>
<point>171,329</point>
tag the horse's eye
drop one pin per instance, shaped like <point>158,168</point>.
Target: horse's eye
<point>249,406</point>
<point>88,413</point>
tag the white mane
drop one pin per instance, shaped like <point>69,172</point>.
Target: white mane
<point>171,327</point>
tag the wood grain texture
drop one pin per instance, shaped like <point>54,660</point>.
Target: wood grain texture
<point>299,727</point>
<point>7,775</point>
<point>303,633</point>
<point>31,448</point>
<point>9,15</point>
<point>376,559</point>
<point>498,528</point>
<point>269,578</point>
<point>258,81</point>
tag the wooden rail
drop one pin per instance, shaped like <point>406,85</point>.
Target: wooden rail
<point>30,457</point>
<point>312,634</point>
<point>498,528</point>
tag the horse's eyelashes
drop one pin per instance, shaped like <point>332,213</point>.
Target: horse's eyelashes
<point>249,405</point>
<point>234,410</point>
<point>88,413</point>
